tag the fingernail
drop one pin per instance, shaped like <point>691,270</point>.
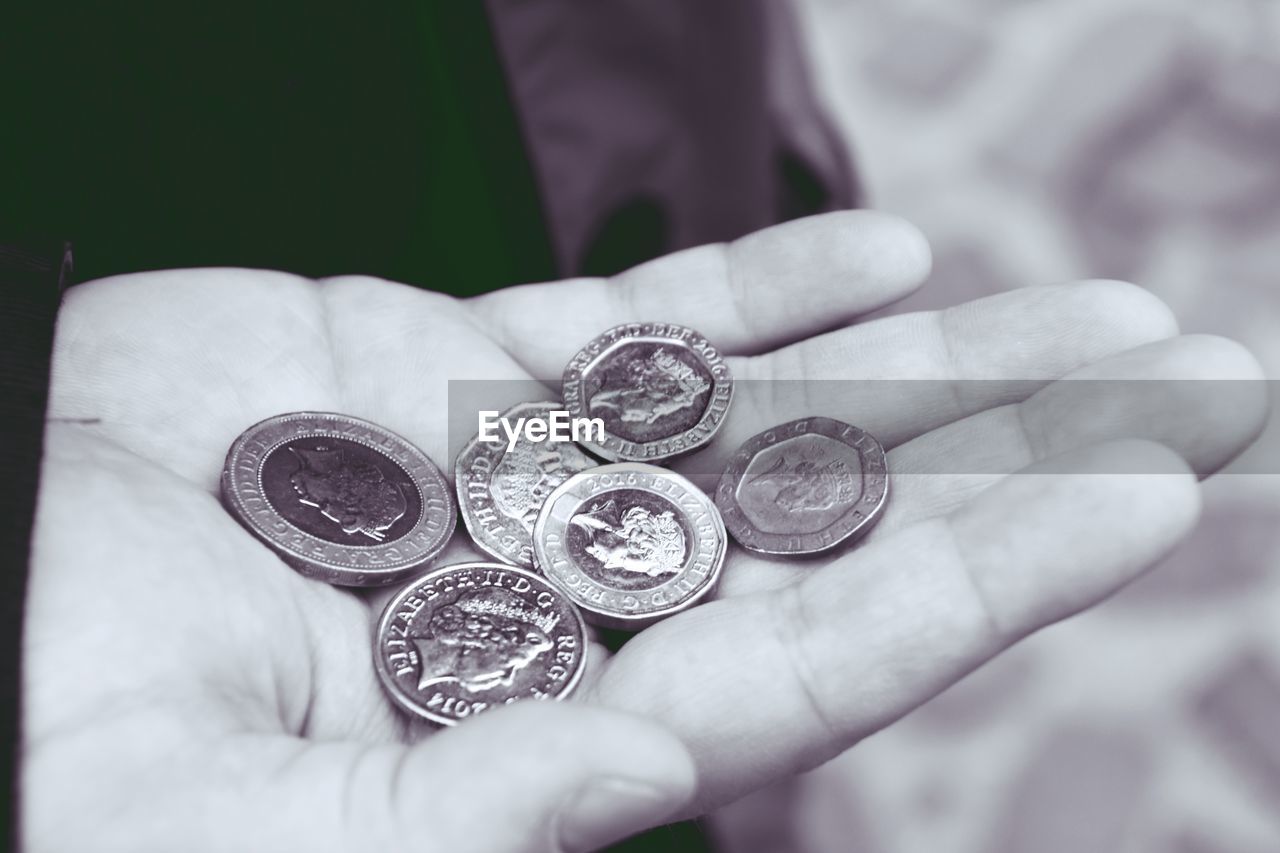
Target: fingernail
<point>608,809</point>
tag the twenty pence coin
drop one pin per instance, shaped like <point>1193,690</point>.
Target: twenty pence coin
<point>661,390</point>
<point>803,487</point>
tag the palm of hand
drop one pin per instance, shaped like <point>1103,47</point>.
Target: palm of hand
<point>173,655</point>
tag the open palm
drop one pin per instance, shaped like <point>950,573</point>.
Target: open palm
<point>186,690</point>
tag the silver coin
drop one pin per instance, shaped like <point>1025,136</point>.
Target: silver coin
<point>469,637</point>
<point>340,499</point>
<point>630,543</point>
<point>803,487</point>
<point>501,490</point>
<point>660,390</point>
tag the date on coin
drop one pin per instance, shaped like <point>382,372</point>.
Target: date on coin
<point>803,487</point>
<point>660,389</point>
<point>340,499</point>
<point>630,543</point>
<point>474,636</point>
<point>502,486</point>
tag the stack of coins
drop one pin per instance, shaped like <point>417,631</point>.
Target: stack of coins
<point>619,544</point>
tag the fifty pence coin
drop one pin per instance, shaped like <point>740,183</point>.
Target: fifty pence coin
<point>630,543</point>
<point>340,499</point>
<point>501,488</point>
<point>660,390</point>
<point>473,636</point>
<point>803,487</point>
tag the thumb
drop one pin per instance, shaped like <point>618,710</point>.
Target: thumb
<point>535,776</point>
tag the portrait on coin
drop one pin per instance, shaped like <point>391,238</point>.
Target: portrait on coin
<point>482,640</point>
<point>627,538</point>
<point>640,385</point>
<point>354,495</point>
<point>527,474</point>
<point>341,491</point>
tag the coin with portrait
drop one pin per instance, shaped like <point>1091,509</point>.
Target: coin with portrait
<point>630,543</point>
<point>659,389</point>
<point>469,637</point>
<point>340,499</point>
<point>804,487</point>
<point>501,488</point>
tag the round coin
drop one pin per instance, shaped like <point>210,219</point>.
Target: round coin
<point>473,636</point>
<point>340,499</point>
<point>501,488</point>
<point>803,487</point>
<point>660,390</point>
<point>630,543</point>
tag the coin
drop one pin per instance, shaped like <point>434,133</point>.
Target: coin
<point>473,636</point>
<point>659,390</point>
<point>340,499</point>
<point>501,490</point>
<point>630,543</point>
<point>803,487</point>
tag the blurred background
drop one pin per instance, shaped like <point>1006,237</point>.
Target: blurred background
<point>1039,141</point>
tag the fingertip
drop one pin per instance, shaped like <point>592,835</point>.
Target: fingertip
<point>1129,308</point>
<point>576,775</point>
<point>1067,532</point>
<point>1140,482</point>
<point>1237,389</point>
<point>898,249</point>
<point>834,266</point>
<point>591,741</point>
<point>1116,456</point>
<point>1150,496</point>
<point>1202,395</point>
<point>1224,358</point>
<point>624,773</point>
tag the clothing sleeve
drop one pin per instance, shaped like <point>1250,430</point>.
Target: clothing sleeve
<point>32,274</point>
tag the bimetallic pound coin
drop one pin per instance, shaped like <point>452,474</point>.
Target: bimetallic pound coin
<point>340,499</point>
<point>660,390</point>
<point>501,490</point>
<point>630,543</point>
<point>473,636</point>
<point>803,487</point>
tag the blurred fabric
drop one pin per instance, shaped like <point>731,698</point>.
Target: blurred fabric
<point>1041,141</point>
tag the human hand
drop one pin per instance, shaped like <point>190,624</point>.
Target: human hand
<point>186,690</point>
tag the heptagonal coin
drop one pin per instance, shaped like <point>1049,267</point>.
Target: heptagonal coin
<point>660,391</point>
<point>803,487</point>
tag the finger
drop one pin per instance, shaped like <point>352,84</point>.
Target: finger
<point>777,285</point>
<point>860,642</point>
<point>901,376</point>
<point>1201,396</point>
<point>531,777</point>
